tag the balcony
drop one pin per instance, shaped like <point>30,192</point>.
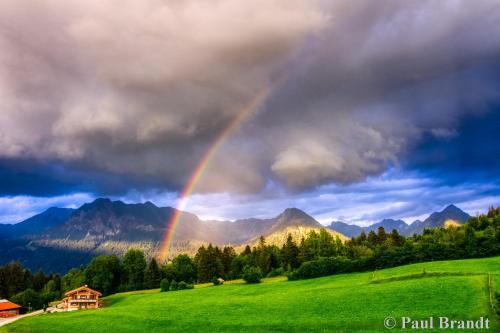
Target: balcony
<point>82,301</point>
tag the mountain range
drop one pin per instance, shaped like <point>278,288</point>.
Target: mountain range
<point>36,224</point>
<point>62,238</point>
<point>451,215</point>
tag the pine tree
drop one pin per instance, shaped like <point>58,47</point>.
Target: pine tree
<point>228,255</point>
<point>372,238</point>
<point>290,252</point>
<point>152,275</point>
<point>39,281</point>
<point>184,268</point>
<point>103,274</point>
<point>247,250</point>
<point>304,252</point>
<point>326,246</point>
<point>209,263</point>
<point>134,265</point>
<point>470,242</point>
<point>381,235</point>
<point>262,256</point>
<point>397,239</point>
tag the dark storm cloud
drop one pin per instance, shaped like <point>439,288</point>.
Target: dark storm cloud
<point>471,152</point>
<point>383,75</point>
<point>139,89</point>
<point>21,177</point>
<point>131,96</point>
<point>51,178</point>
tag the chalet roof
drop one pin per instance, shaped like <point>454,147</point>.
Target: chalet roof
<point>8,305</point>
<point>85,287</point>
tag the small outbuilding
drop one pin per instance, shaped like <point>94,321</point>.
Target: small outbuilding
<point>8,309</point>
<point>81,298</point>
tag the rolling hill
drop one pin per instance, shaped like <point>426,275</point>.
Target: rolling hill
<point>356,302</point>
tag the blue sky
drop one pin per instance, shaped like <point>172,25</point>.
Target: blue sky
<point>382,109</point>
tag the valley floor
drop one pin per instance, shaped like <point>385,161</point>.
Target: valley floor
<point>356,302</point>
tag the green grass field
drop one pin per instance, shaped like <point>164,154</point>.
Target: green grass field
<point>342,303</point>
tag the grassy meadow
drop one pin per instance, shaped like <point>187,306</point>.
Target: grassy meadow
<point>356,302</point>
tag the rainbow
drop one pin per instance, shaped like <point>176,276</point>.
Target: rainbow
<point>201,168</point>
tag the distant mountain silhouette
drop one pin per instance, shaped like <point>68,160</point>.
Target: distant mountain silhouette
<point>389,224</point>
<point>350,230</point>
<point>295,222</point>
<point>438,219</point>
<point>292,217</point>
<point>104,219</point>
<point>37,224</point>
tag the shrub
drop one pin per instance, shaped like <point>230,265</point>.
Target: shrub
<point>164,285</point>
<point>180,286</point>
<point>29,297</point>
<point>276,272</point>
<point>217,281</point>
<point>324,267</point>
<point>252,274</point>
<point>174,286</point>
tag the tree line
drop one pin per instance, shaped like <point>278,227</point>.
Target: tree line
<point>317,254</point>
<point>321,254</point>
<point>479,237</point>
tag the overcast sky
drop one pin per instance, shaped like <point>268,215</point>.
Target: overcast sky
<point>373,109</point>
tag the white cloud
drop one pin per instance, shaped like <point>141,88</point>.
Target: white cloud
<point>391,195</point>
<point>18,208</point>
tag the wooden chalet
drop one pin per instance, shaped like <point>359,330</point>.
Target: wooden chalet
<point>8,309</point>
<point>81,298</point>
